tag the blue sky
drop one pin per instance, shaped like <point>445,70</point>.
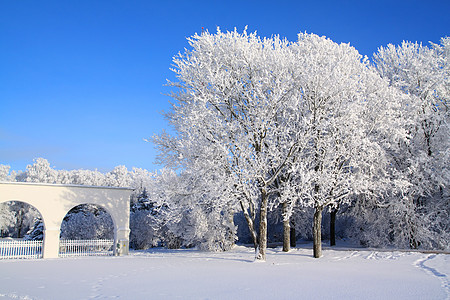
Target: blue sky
<point>82,82</point>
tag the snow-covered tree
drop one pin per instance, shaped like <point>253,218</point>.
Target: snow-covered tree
<point>17,218</point>
<point>189,213</point>
<point>236,99</point>
<point>41,171</point>
<point>422,73</point>
<point>349,118</point>
<point>82,177</point>
<point>4,172</point>
<point>6,219</point>
<point>145,217</point>
<point>306,122</point>
<point>119,176</point>
<point>87,221</point>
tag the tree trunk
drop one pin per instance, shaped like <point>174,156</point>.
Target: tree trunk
<point>293,236</point>
<point>333,213</point>
<point>231,236</point>
<point>20,223</point>
<point>317,232</point>
<point>286,229</point>
<point>250,225</point>
<point>261,256</point>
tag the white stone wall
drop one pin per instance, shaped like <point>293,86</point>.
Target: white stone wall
<point>54,201</point>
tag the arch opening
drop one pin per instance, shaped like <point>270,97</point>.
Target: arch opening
<point>21,221</point>
<point>87,222</point>
<point>87,229</point>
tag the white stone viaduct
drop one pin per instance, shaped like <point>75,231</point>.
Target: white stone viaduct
<point>53,201</point>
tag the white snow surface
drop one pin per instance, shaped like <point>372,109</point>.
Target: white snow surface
<point>192,274</point>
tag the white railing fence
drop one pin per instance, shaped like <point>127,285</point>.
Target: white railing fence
<point>85,247</point>
<point>20,249</point>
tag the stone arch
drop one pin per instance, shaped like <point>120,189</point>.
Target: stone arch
<point>53,201</point>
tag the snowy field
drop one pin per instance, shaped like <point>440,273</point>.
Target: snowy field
<point>191,274</point>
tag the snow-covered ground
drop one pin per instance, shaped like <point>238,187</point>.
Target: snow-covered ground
<point>191,274</point>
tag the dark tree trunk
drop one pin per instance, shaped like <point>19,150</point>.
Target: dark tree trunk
<point>263,226</point>
<point>333,213</point>
<point>317,232</point>
<point>293,236</point>
<point>286,229</point>
<point>251,226</point>
<point>20,223</point>
<point>413,244</point>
